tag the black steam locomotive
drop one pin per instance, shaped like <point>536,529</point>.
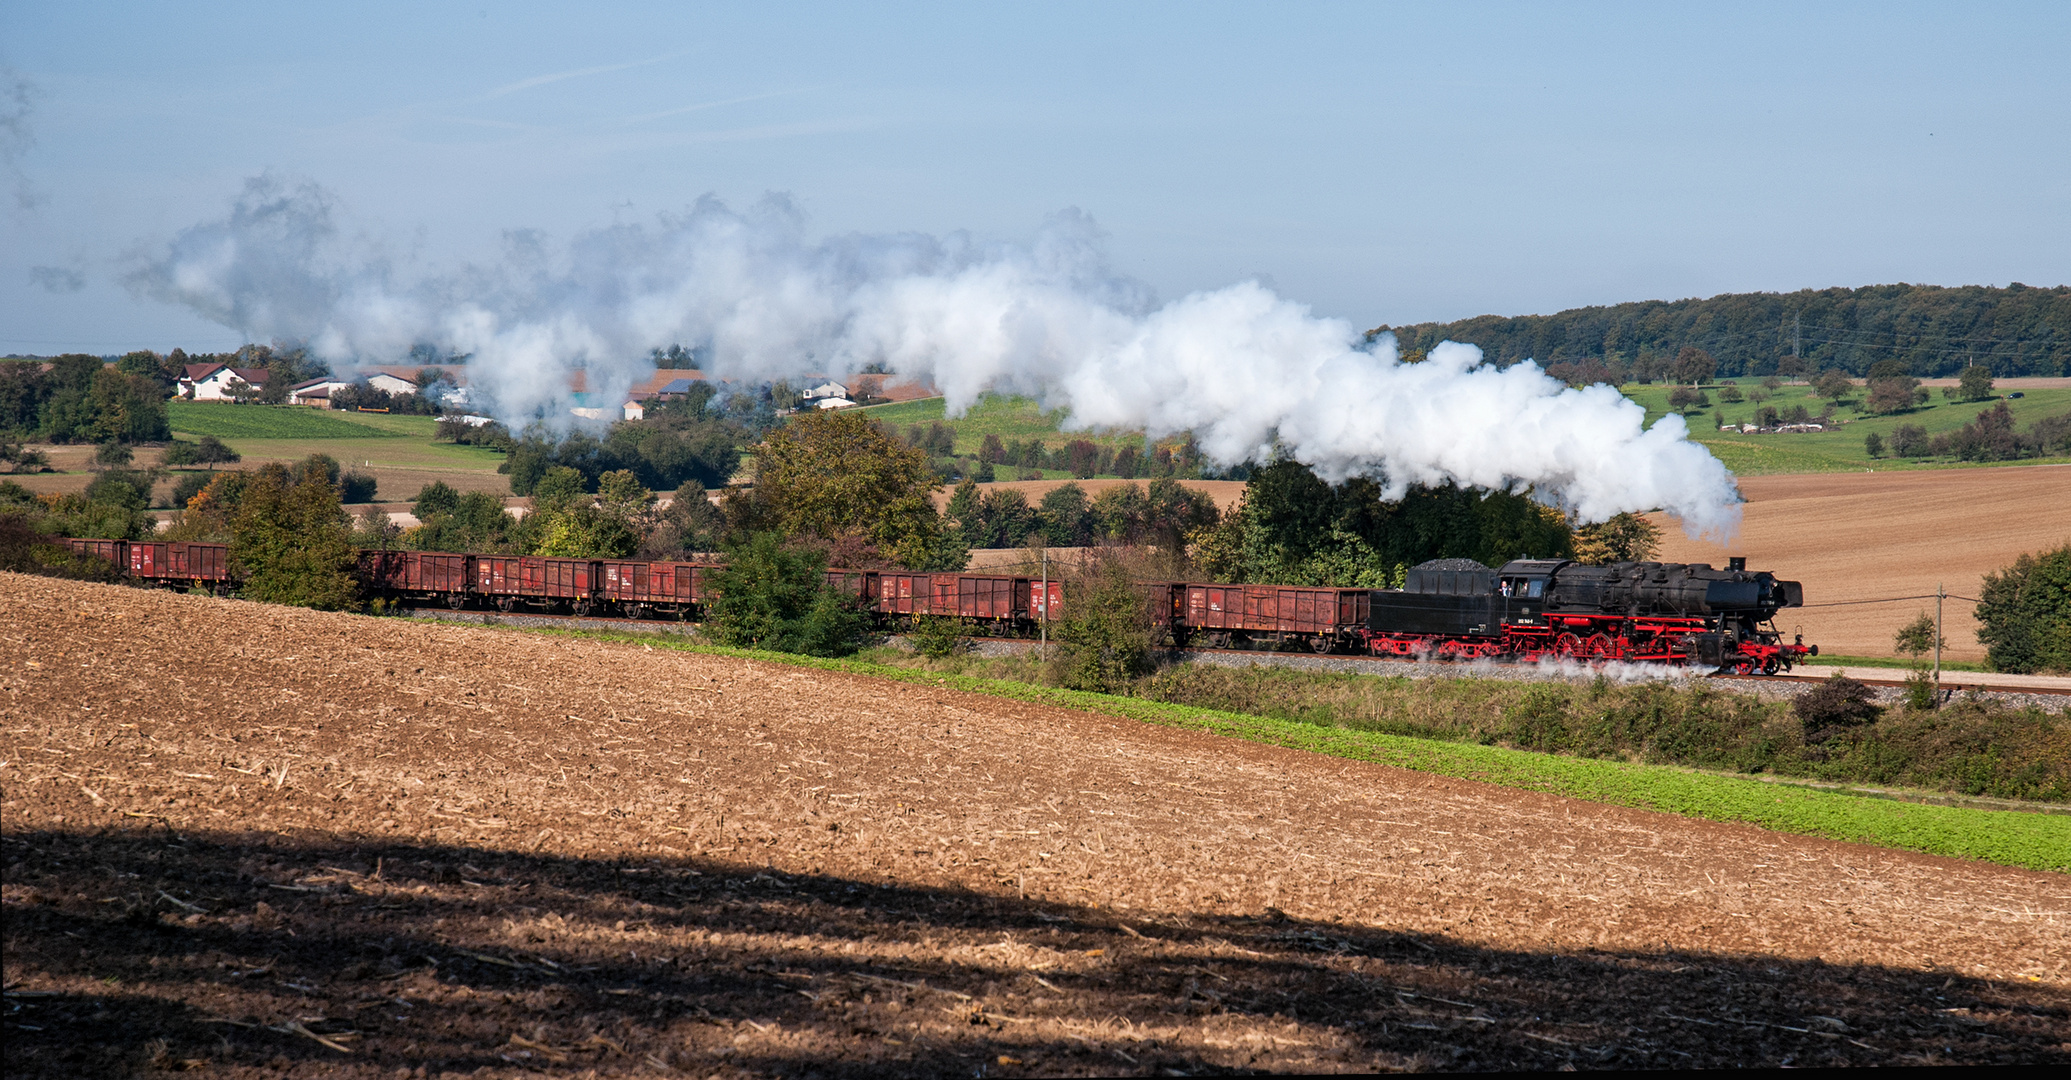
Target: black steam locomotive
<point>1685,613</point>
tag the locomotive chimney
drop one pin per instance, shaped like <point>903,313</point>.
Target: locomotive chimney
<point>1736,562</point>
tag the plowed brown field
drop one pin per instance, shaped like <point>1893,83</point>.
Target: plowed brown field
<point>260,840</point>
<point>1868,536</point>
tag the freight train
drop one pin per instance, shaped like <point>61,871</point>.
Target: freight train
<point>1451,609</point>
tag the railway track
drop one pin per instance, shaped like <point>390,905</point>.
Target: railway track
<point>1338,661</point>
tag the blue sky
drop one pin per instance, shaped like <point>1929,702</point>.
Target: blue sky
<point>1381,163</point>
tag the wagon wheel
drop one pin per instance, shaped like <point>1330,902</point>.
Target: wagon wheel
<point>505,603</point>
<point>456,601</point>
<point>1769,666</point>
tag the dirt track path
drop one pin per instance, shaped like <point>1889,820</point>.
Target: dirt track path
<point>1092,894</point>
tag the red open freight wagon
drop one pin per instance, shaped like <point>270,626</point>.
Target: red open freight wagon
<point>417,575</point>
<point>667,588</point>
<point>1225,615</point>
<point>179,563</point>
<point>546,583</point>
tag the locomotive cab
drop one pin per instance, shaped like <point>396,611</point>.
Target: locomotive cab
<point>1524,588</point>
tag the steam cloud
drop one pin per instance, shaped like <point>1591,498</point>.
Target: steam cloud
<point>1239,366</point>
<point>56,279</point>
<point>17,99</point>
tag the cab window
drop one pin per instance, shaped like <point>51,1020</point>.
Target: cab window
<point>1535,588</point>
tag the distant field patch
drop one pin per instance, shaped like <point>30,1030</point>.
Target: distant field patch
<point>1009,418</point>
<point>1838,449</point>
<point>228,421</point>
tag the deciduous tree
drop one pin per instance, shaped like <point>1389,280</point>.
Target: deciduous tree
<point>2024,614</point>
<point>291,541</point>
<point>1975,384</point>
<point>1625,537</point>
<point>833,473</point>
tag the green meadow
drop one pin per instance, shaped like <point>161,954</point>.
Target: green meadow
<point>1010,418</point>
<point>1839,449</point>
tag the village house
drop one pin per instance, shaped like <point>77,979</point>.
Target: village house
<point>211,382</point>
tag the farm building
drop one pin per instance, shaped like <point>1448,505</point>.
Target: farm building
<point>315,392</point>
<point>823,389</point>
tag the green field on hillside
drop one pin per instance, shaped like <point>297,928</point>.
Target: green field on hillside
<point>1839,449</point>
<point>225,420</point>
<point>1010,418</point>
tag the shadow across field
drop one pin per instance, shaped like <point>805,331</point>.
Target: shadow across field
<point>127,952</point>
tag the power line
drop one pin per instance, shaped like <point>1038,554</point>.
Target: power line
<point>1892,600</point>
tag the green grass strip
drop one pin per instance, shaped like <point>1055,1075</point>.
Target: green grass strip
<point>2007,837</point>
<point>1898,663</point>
<point>229,421</point>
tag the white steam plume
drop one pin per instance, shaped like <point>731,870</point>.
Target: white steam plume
<point>1240,367</point>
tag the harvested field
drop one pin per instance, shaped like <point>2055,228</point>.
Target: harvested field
<point>272,840</point>
<point>1866,536</point>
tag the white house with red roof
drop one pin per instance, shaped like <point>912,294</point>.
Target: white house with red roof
<point>211,382</point>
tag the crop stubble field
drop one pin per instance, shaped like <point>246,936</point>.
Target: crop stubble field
<point>325,843</point>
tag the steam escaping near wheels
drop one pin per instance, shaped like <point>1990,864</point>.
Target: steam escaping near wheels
<point>1248,372</point>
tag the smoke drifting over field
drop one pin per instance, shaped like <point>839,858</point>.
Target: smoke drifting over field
<point>1238,366</point>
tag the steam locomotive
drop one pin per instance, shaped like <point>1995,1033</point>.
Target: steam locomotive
<point>1640,611</point>
<point>1453,609</point>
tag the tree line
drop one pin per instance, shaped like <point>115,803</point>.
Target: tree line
<point>1930,330</point>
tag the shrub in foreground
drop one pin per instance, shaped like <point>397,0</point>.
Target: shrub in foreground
<point>773,596</point>
<point>291,541</point>
<point>1976,747</point>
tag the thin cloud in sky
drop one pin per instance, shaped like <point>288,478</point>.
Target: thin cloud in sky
<point>577,73</point>
<point>704,105</point>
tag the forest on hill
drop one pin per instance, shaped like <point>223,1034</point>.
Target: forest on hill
<point>1933,330</point>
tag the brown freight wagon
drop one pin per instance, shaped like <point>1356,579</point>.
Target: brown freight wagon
<point>115,551</point>
<point>202,564</point>
<point>1167,603</point>
<point>417,575</point>
<point>979,596</point>
<point>546,583</point>
<point>1229,615</point>
<point>1040,604</point>
<point>167,562</point>
<point>860,584</point>
<point>902,594</point>
<point>668,588</point>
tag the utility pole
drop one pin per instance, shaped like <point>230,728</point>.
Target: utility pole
<point>1044,651</point>
<point>1794,333</point>
<point>1939,591</point>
